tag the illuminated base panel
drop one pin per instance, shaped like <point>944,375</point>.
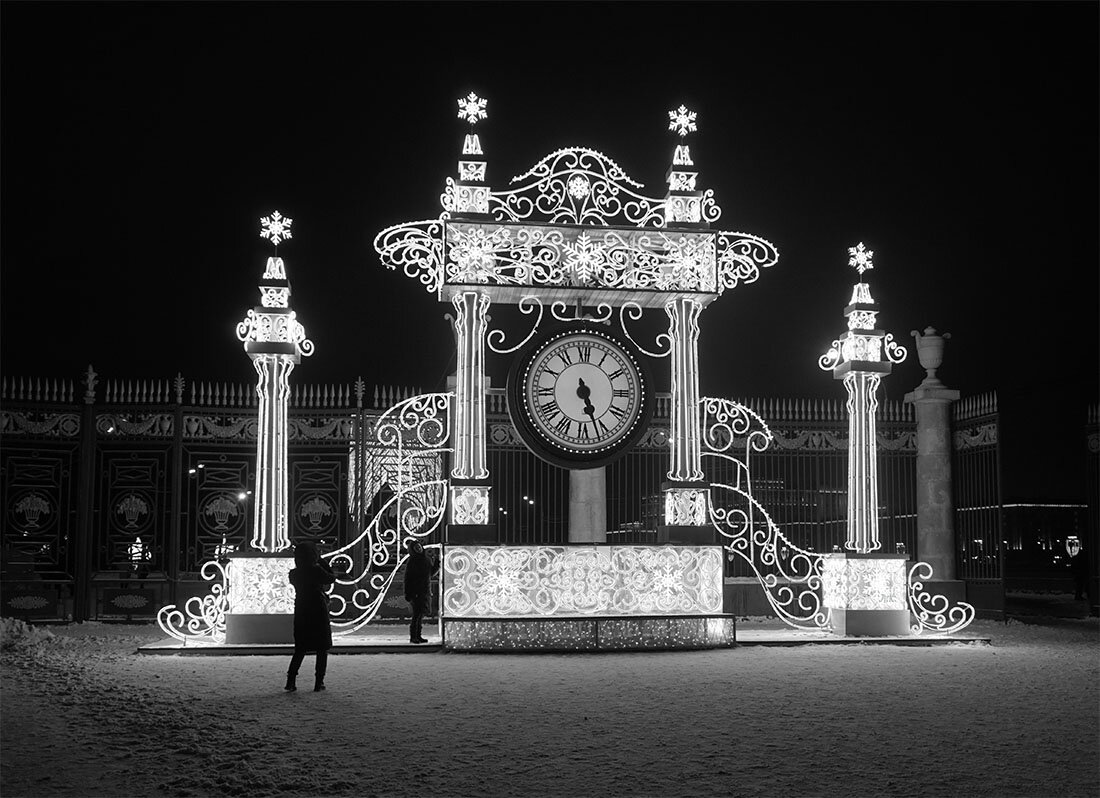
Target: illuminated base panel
<point>867,594</point>
<point>584,580</point>
<point>585,597</point>
<point>589,634</point>
<point>260,599</point>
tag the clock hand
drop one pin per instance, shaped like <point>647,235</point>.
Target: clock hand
<point>583,391</point>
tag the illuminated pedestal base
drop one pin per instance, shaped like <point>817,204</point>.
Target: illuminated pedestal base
<point>583,597</point>
<point>867,594</point>
<point>590,634</point>
<point>260,599</point>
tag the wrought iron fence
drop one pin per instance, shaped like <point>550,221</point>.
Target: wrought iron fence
<point>114,498</point>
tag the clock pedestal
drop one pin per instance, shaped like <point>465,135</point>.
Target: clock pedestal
<point>588,505</point>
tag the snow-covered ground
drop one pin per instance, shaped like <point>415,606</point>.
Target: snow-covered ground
<point>84,715</point>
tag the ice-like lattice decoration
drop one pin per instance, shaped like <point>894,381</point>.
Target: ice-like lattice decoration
<point>563,581</point>
<point>260,585</point>
<point>863,584</point>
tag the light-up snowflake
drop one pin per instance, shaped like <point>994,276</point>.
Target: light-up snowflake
<point>275,227</point>
<point>472,108</point>
<point>862,259</point>
<point>681,120</point>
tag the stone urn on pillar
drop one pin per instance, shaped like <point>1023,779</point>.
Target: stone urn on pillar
<point>930,353</point>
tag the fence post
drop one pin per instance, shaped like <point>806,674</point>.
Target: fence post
<point>172,550</point>
<point>83,600</point>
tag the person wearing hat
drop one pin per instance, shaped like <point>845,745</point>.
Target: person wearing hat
<point>418,588</point>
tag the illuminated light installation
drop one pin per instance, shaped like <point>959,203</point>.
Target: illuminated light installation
<point>566,581</point>
<point>573,232</point>
<point>253,602</point>
<point>414,433</point>
<point>857,358</point>
<point>868,593</point>
<point>790,576</point>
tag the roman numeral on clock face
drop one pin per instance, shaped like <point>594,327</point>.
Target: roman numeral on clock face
<point>584,353</point>
<point>563,425</point>
<point>616,411</point>
<point>615,374</point>
<point>566,360</point>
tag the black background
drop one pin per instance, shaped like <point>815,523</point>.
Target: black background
<point>142,142</point>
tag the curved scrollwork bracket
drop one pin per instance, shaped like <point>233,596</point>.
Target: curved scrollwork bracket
<point>202,618</point>
<point>934,613</point>
<point>560,311</point>
<point>634,311</point>
<point>527,306</point>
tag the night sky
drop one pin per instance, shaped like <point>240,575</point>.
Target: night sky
<point>142,142</point>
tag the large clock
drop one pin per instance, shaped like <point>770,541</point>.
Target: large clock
<point>580,396</point>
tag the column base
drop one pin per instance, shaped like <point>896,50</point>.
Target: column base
<point>871,623</point>
<point>687,535</point>
<point>251,629</point>
<point>472,534</point>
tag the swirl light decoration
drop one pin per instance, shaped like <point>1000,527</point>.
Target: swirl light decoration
<point>790,576</point>
<point>934,613</point>
<point>574,221</point>
<point>202,618</point>
<point>410,431</point>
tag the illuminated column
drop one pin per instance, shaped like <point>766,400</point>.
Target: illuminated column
<point>275,341</point>
<point>862,462</point>
<point>469,476</point>
<point>865,591</point>
<point>260,601</point>
<point>683,315</point>
<point>686,493</point>
<point>860,357</point>
<point>935,507</point>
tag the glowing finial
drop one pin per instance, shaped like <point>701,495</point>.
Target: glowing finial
<point>276,227</point>
<point>681,120</point>
<point>472,108</point>
<point>861,258</point>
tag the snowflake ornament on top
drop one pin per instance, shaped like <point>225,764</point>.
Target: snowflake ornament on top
<point>472,108</point>
<point>681,120</point>
<point>862,259</point>
<point>275,227</point>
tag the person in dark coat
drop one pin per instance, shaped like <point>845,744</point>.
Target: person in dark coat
<point>418,588</point>
<point>311,577</point>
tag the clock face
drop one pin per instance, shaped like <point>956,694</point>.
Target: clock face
<point>580,397</point>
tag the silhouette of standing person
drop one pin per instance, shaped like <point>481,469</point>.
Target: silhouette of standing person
<point>311,576</point>
<point>418,588</point>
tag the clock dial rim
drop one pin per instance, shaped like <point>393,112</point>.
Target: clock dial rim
<point>533,431</point>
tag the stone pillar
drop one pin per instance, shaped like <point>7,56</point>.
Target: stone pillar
<point>588,505</point>
<point>935,507</point>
